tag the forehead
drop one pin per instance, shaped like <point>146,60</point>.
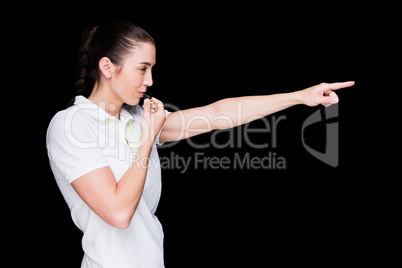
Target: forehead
<point>143,52</point>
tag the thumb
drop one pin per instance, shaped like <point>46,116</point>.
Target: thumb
<point>330,99</point>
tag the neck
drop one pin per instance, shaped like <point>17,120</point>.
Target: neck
<point>105,100</point>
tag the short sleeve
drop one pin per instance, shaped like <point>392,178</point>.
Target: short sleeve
<point>72,148</point>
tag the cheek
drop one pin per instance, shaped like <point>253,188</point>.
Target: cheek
<point>129,81</point>
<point>134,80</point>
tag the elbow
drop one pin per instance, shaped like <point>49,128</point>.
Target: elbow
<point>118,213</point>
<point>122,225</point>
<point>215,117</point>
<point>120,220</point>
<point>220,114</point>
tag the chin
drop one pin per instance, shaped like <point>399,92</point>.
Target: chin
<point>132,102</point>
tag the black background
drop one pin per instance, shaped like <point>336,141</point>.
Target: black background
<point>309,213</point>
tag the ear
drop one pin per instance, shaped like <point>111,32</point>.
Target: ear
<point>107,67</point>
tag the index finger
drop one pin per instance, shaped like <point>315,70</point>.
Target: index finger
<point>334,86</point>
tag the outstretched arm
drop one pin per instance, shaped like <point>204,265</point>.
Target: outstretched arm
<point>232,112</point>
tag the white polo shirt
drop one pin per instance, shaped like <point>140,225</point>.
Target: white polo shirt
<point>79,140</point>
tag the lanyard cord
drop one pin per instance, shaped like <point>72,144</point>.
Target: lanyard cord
<point>124,139</point>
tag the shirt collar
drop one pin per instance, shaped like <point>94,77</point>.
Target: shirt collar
<point>97,112</point>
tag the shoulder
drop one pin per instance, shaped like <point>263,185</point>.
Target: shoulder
<point>68,124</point>
<point>57,124</point>
<point>72,117</point>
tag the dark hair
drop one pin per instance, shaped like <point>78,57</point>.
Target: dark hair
<point>113,40</point>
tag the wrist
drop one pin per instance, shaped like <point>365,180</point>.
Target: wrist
<point>146,142</point>
<point>297,97</point>
<point>144,152</point>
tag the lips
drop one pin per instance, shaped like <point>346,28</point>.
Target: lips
<point>142,93</point>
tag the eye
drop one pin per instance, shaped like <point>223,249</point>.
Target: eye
<point>143,69</point>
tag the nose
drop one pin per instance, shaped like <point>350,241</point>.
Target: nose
<point>148,80</point>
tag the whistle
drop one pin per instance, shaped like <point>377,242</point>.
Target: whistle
<point>148,97</point>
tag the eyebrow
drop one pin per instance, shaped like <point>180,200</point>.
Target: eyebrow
<point>146,63</point>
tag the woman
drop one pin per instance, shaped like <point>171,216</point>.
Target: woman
<point>102,149</point>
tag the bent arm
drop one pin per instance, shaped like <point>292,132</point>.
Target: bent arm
<point>116,202</point>
<point>232,112</point>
